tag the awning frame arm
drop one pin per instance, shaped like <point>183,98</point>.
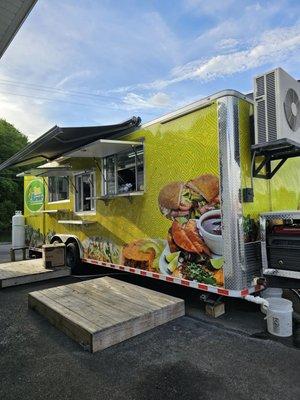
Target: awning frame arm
<point>135,152</point>
<point>72,184</point>
<point>100,169</point>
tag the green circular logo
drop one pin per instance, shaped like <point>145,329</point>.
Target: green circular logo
<point>34,195</point>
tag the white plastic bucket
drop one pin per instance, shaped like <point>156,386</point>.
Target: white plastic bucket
<point>270,293</point>
<point>279,317</point>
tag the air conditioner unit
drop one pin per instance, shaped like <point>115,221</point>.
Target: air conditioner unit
<point>276,107</point>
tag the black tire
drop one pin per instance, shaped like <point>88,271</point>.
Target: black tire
<point>293,297</point>
<point>73,257</point>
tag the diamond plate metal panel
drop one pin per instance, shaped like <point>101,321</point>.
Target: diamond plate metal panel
<point>230,178</point>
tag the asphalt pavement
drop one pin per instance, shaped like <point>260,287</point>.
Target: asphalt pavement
<point>185,359</point>
<point>4,252</point>
<point>5,255</point>
<point>189,358</point>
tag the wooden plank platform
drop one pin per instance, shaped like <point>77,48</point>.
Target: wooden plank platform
<point>27,271</point>
<point>101,312</point>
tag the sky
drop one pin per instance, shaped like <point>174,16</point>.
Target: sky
<point>96,62</point>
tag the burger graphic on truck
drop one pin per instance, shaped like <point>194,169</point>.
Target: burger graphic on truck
<point>191,199</point>
<point>192,248</point>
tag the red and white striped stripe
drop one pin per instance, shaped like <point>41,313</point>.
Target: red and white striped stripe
<point>178,281</point>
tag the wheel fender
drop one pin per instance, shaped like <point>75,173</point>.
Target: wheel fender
<point>66,239</point>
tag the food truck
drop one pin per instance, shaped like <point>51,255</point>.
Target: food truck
<point>207,196</point>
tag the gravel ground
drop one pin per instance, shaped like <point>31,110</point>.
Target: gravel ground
<point>185,359</point>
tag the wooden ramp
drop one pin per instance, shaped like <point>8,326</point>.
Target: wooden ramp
<point>101,312</point>
<point>21,272</point>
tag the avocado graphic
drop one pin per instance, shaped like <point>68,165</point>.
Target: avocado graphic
<point>151,244</point>
<point>170,257</point>
<point>217,263</point>
<point>173,265</point>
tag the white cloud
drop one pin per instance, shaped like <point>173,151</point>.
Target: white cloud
<point>107,50</point>
<point>241,22</point>
<point>208,7</point>
<point>227,44</point>
<point>73,76</point>
<point>254,7</point>
<point>160,100</point>
<point>76,48</point>
<point>27,116</point>
<point>272,48</point>
<point>135,101</point>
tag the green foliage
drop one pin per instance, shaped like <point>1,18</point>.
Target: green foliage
<point>199,274</point>
<point>11,188</point>
<point>7,210</point>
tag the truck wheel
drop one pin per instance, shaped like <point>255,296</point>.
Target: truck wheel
<point>56,242</point>
<point>73,257</point>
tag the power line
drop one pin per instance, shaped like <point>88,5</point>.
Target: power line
<point>39,87</point>
<point>69,102</point>
<point>35,86</point>
<point>47,98</point>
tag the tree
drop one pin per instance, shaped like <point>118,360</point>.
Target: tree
<point>11,187</point>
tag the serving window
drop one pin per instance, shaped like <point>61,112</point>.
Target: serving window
<point>123,173</point>
<point>85,192</point>
<point>58,188</point>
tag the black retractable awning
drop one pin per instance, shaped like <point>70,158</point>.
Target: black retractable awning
<point>58,141</point>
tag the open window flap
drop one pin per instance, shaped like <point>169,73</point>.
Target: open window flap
<point>54,164</point>
<point>103,148</point>
<point>48,172</point>
<point>52,168</point>
<point>58,141</point>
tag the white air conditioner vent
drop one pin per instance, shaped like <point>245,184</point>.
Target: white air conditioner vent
<point>271,101</point>
<point>260,85</point>
<point>276,107</point>
<point>261,121</point>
